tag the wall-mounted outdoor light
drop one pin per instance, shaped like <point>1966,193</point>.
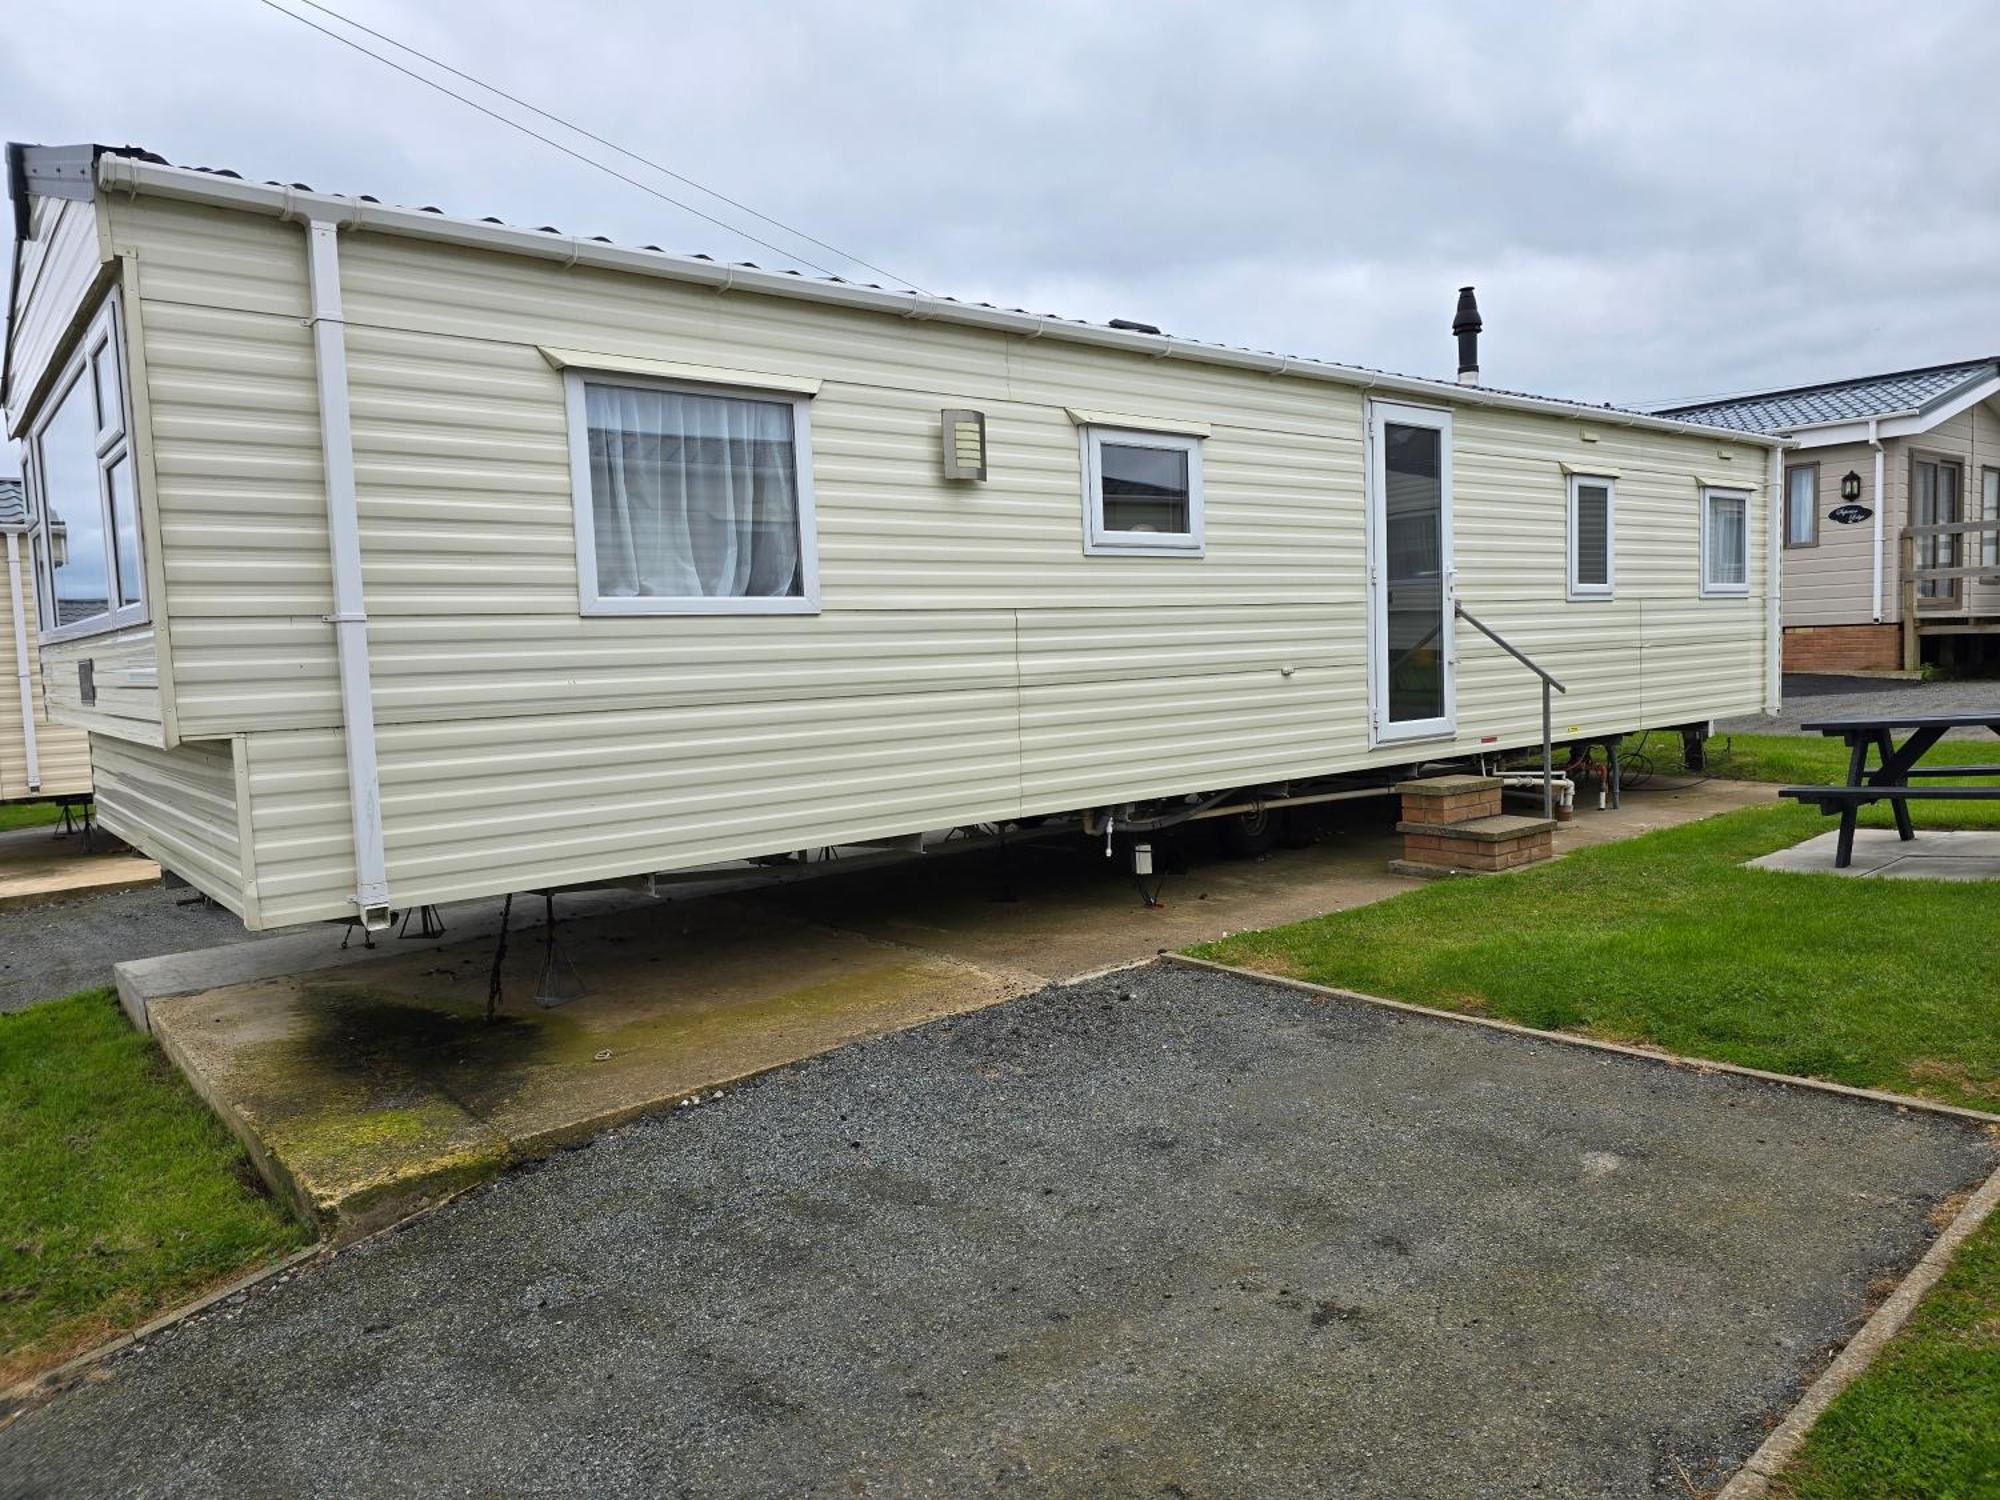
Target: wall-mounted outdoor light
<point>964,444</point>
<point>1850,487</point>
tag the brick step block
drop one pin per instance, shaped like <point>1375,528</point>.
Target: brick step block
<point>1449,799</point>
<point>1504,841</point>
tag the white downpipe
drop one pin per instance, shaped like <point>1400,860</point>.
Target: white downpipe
<point>349,618</point>
<point>1881,505</point>
<point>27,680</point>
<point>1774,618</point>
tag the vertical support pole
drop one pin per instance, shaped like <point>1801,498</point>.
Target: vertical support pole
<point>1548,756</point>
<point>1907,579</point>
<point>349,618</point>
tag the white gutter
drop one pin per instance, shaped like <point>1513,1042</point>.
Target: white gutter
<point>1881,504</point>
<point>27,679</point>
<point>349,618</point>
<point>1774,618</point>
<point>124,174</point>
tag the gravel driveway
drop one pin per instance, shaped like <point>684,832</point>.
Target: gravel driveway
<point>1168,1233</point>
<point>56,948</point>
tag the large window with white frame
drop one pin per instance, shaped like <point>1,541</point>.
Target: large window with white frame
<point>1142,492</point>
<point>1725,543</point>
<point>89,564</point>
<point>1592,532</point>
<point>691,499</point>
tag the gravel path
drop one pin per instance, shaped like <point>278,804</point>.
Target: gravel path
<point>54,949</point>
<point>1813,697</point>
<point>1167,1233</point>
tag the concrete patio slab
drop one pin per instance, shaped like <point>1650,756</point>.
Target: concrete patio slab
<point>1970,854</point>
<point>1169,1232</point>
<point>38,866</point>
<point>370,1084</point>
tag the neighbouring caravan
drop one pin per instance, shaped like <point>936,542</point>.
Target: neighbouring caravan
<point>1890,521</point>
<point>443,558</point>
<point>39,761</point>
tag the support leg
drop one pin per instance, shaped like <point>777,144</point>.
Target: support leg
<point>1844,854</point>
<point>1904,830</point>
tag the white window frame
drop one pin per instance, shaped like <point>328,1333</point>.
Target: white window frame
<point>1579,590</point>
<point>1098,541</point>
<point>1709,588</point>
<point>104,338</point>
<point>589,602</point>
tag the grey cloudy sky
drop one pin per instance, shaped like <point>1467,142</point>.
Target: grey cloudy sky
<point>1656,201</point>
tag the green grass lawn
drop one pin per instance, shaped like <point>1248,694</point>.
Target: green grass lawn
<point>28,815</point>
<point>120,1194</point>
<point>1667,940</point>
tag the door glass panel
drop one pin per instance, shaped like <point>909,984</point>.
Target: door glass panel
<point>125,530</point>
<point>81,570</point>
<point>1935,503</point>
<point>1413,585</point>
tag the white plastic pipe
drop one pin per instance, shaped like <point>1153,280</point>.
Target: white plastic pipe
<point>1775,502</point>
<point>21,672</point>
<point>349,618</point>
<point>1881,504</point>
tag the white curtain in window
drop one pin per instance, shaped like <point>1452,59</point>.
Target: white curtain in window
<point>1728,541</point>
<point>692,496</point>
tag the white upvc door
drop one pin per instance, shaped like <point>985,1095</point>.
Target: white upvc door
<point>1410,583</point>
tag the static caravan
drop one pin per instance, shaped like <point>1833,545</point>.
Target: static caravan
<point>1891,513</point>
<point>39,761</point>
<point>468,559</point>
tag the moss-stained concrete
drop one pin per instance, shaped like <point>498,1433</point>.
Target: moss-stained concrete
<point>367,1091</point>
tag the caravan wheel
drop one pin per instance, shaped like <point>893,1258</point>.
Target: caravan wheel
<point>1250,834</point>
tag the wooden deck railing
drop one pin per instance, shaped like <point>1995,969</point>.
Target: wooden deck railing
<point>1912,576</point>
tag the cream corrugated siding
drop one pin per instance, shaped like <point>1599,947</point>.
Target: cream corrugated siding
<point>125,671</point>
<point>61,753</point>
<point>180,807</point>
<point>970,663</point>
<point>59,260</point>
<point>238,490</point>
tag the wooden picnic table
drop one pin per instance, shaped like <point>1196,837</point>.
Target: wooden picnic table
<point>1888,780</point>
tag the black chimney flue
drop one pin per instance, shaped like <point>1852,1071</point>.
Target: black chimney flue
<point>1466,325</point>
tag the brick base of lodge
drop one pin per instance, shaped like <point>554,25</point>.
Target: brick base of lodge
<point>1843,648</point>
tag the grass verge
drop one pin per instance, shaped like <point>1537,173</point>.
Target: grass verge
<point>28,815</point>
<point>1667,940</point>
<point>121,1195</point>
<point>1925,1418</point>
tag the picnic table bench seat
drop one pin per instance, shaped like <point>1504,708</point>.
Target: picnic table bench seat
<point>1889,779</point>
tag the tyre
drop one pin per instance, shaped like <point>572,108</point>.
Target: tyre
<point>1249,834</point>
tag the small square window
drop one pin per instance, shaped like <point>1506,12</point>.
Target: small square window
<point>691,501</point>
<point>1591,529</point>
<point>1725,543</point>
<point>1142,493</point>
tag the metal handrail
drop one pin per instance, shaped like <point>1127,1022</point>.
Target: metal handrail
<point>1459,611</point>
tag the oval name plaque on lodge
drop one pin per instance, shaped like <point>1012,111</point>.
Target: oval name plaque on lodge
<point>1847,515</point>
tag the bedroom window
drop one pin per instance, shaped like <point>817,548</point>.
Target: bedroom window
<point>89,564</point>
<point>691,499</point>
<point>1591,529</point>
<point>1142,493</point>
<point>1802,505</point>
<point>1725,543</point>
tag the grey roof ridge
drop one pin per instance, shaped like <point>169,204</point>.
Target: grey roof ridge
<point>1989,363</point>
